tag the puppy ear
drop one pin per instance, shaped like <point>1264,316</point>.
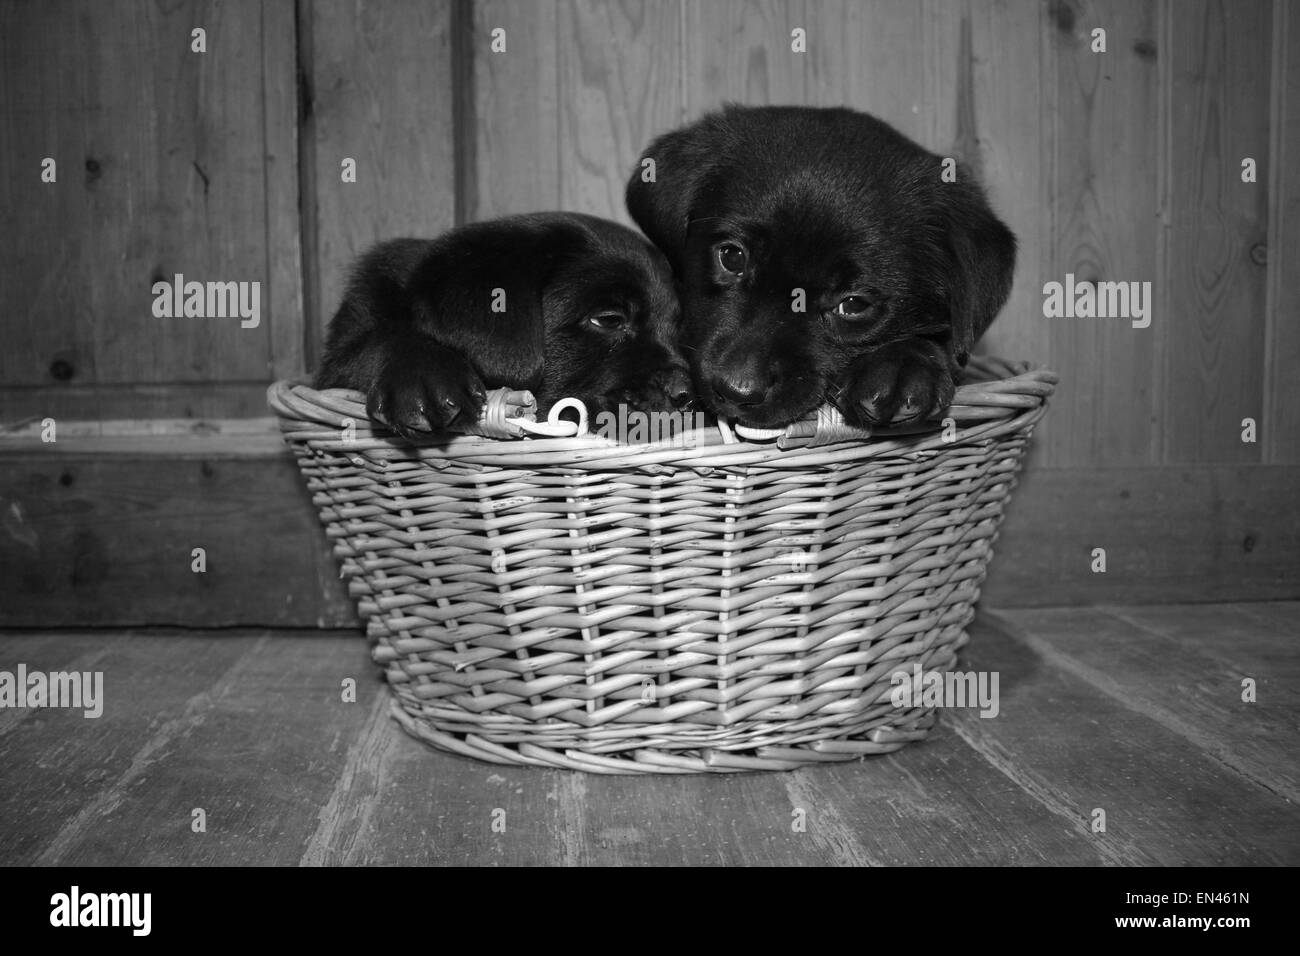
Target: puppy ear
<point>983,261</point>
<point>480,291</point>
<point>661,205</point>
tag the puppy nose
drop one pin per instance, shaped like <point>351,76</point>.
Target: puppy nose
<point>739,390</point>
<point>678,388</point>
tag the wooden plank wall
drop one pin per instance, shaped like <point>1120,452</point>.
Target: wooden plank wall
<point>227,164</point>
<point>377,80</point>
<point>168,161</point>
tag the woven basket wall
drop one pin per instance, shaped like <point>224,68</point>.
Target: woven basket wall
<point>579,603</point>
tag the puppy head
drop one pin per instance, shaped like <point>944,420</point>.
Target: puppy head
<point>563,304</point>
<point>803,239</point>
<point>611,317</point>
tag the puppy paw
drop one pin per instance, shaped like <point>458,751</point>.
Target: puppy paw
<point>422,391</point>
<point>897,384</point>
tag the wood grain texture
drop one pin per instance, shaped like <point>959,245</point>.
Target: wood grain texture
<point>1212,337</point>
<point>1257,639</point>
<point>1170,535</point>
<point>141,437</point>
<point>63,770</point>
<point>179,732</point>
<point>72,402</point>
<point>547,817</point>
<point>1189,690</point>
<point>1280,426</point>
<point>896,59</point>
<point>97,540</point>
<point>288,331</point>
<point>161,170</point>
<point>1010,106</point>
<point>380,93</point>
<point>932,805</point>
<point>1277,620</point>
<point>71,651</point>
<point>252,728</point>
<point>516,109</point>
<point>619,84</point>
<point>740,50</point>
<point>1081,748</point>
<point>1102,164</point>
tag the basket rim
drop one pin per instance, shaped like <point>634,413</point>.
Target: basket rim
<point>998,397</point>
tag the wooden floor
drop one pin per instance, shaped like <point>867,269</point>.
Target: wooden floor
<point>1136,711</point>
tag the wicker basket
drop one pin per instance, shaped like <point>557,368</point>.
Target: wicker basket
<point>706,603</point>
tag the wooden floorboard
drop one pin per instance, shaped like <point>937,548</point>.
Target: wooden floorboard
<point>1080,747</point>
<point>75,651</point>
<point>403,803</point>
<point>1182,671</point>
<point>61,771</point>
<point>1260,640</point>
<point>1132,709</point>
<point>248,728</point>
<point>940,803</point>
<point>257,752</point>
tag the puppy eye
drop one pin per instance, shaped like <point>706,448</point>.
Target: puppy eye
<point>732,258</point>
<point>608,321</point>
<point>853,306</point>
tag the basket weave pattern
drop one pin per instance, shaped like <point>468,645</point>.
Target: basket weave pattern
<point>656,608</point>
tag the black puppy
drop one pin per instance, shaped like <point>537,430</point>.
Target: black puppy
<point>767,211</point>
<point>562,304</point>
